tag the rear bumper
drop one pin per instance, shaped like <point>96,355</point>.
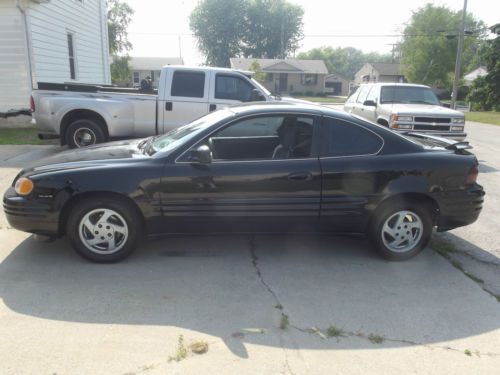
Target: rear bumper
<point>460,208</point>
<point>29,215</point>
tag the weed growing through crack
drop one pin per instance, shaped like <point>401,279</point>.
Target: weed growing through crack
<point>467,352</point>
<point>284,322</point>
<point>181,352</point>
<point>474,277</point>
<point>375,339</point>
<point>442,247</point>
<point>333,331</point>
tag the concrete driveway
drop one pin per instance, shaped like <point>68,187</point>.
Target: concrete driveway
<point>263,304</point>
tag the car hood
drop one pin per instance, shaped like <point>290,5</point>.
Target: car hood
<point>424,109</point>
<point>87,156</point>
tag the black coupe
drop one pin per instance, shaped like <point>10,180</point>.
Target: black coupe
<point>252,168</point>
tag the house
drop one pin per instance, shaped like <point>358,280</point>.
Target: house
<point>478,72</point>
<point>288,76</point>
<point>379,72</point>
<point>142,67</point>
<point>335,84</point>
<point>50,41</point>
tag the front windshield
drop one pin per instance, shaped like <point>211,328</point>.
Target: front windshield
<point>256,83</point>
<point>178,136</point>
<point>408,95</point>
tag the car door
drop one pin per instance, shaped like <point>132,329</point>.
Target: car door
<point>185,97</point>
<point>350,177</point>
<point>249,185</point>
<point>228,89</point>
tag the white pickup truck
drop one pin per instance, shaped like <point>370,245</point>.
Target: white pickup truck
<point>81,115</point>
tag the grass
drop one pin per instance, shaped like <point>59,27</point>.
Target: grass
<point>181,352</point>
<point>323,99</point>
<point>333,331</point>
<point>284,322</point>
<point>484,117</point>
<point>21,136</point>
<point>375,339</point>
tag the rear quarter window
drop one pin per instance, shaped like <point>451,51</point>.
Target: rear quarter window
<point>343,138</point>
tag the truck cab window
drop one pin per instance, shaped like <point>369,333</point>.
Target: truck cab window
<point>188,84</point>
<point>232,88</point>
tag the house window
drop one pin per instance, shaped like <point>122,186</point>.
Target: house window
<point>269,77</point>
<point>71,54</point>
<point>309,79</point>
<point>137,78</point>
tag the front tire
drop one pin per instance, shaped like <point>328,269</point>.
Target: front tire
<point>103,230</point>
<point>84,132</point>
<point>400,231</point>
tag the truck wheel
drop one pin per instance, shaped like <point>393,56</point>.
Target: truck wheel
<point>84,132</point>
<point>103,230</point>
<point>401,231</point>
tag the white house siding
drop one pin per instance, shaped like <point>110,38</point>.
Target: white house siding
<point>14,69</point>
<point>49,24</point>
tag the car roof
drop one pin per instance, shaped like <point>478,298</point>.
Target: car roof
<point>284,106</point>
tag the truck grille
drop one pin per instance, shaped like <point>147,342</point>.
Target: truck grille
<point>432,127</point>
<point>437,120</point>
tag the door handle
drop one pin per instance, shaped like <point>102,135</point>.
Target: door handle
<point>168,106</point>
<point>300,176</point>
<point>212,107</point>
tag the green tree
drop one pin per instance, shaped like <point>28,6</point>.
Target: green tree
<point>273,30</point>
<point>218,25</point>
<point>119,17</point>
<point>259,74</point>
<point>344,60</point>
<point>485,91</point>
<point>430,44</point>
<point>249,28</point>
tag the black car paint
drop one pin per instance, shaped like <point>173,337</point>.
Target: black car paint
<point>338,194</point>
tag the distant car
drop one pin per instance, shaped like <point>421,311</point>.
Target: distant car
<point>252,168</point>
<point>406,107</point>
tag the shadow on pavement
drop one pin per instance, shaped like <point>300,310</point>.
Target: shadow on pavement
<point>212,285</point>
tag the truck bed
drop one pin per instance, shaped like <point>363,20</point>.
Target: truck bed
<point>88,87</point>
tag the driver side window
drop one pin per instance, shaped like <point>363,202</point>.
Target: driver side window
<point>263,138</point>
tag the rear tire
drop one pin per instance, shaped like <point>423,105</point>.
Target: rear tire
<point>400,231</point>
<point>84,132</point>
<point>104,230</point>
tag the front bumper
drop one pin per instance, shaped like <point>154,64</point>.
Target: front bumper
<point>29,214</point>
<point>445,134</point>
<point>459,208</point>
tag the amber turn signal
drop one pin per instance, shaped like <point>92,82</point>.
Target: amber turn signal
<point>24,186</point>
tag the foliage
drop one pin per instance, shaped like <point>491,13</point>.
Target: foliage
<point>344,61</point>
<point>485,91</point>
<point>120,68</point>
<point>248,28</point>
<point>119,17</point>
<point>273,30</point>
<point>430,44</point>
<point>259,74</point>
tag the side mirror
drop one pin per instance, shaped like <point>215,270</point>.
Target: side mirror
<point>257,96</point>
<point>370,103</point>
<point>202,155</point>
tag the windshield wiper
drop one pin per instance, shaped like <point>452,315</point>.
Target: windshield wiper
<point>421,102</point>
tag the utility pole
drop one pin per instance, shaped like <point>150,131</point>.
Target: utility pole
<point>458,62</point>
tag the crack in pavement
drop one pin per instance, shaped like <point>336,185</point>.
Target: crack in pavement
<point>350,334</point>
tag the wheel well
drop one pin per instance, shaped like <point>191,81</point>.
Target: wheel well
<point>73,201</point>
<point>420,198</point>
<point>79,114</point>
<point>383,122</point>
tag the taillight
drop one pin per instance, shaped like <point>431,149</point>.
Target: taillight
<point>32,104</point>
<point>472,175</point>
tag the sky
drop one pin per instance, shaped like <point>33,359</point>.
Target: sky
<point>160,28</point>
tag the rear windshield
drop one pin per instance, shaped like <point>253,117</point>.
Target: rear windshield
<point>408,95</point>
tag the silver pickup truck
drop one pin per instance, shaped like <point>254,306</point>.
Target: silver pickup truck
<point>81,115</point>
<point>406,107</point>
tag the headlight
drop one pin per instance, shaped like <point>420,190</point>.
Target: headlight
<point>457,128</point>
<point>24,186</point>
<point>404,118</point>
<point>457,120</point>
